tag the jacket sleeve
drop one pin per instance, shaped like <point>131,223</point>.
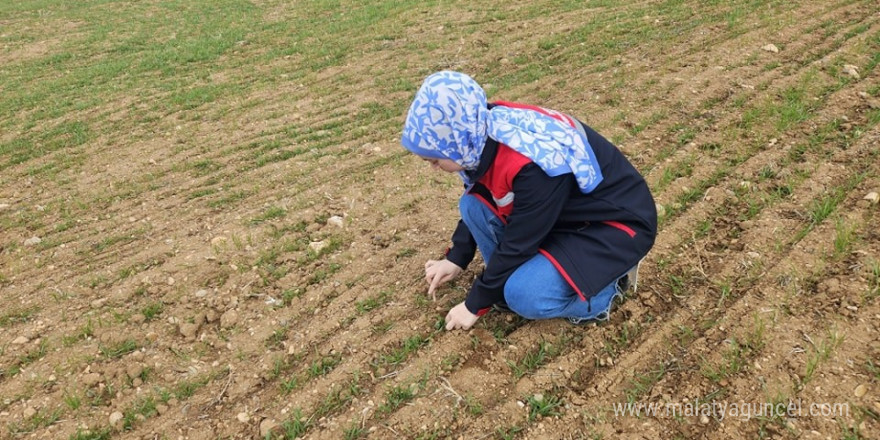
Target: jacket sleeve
<point>538,201</point>
<point>463,246</point>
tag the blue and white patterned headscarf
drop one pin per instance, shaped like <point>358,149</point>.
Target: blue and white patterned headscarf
<point>449,119</point>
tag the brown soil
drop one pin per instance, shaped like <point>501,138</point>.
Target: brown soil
<point>744,298</point>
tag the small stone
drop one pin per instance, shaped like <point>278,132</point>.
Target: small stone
<point>266,427</point>
<point>29,412</point>
<point>538,397</point>
<point>137,318</point>
<point>134,370</point>
<point>170,281</point>
<point>520,404</point>
<point>21,340</point>
<point>873,197</point>
<point>337,221</point>
<point>91,379</point>
<point>189,330</point>
<point>229,319</point>
<point>116,419</point>
<point>33,241</point>
<point>98,303</point>
<point>770,48</point>
<point>661,210</point>
<point>704,419</point>
<point>201,293</point>
<point>243,417</point>
<point>860,390</point>
<point>851,70</point>
<point>4,206</point>
<point>317,246</point>
<point>219,241</point>
<point>161,409</point>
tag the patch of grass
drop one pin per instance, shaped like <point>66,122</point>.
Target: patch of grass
<point>85,332</point>
<point>289,385</point>
<point>382,327</point>
<point>398,355</point>
<point>533,359</point>
<point>642,383</point>
<point>34,355</point>
<point>820,353</point>
<point>73,401</point>
<point>737,355</point>
<point>118,349</point>
<point>621,337</point>
<point>39,420</point>
<point>395,397</point>
<point>844,237</point>
<point>143,408</point>
<point>288,295</point>
<point>17,316</point>
<point>873,279</point>
<point>91,434</point>
<point>272,213</point>
<point>373,303</point>
<point>508,433</point>
<point>324,365</point>
<point>354,432</point>
<point>295,426</point>
<point>153,310</point>
<point>544,406</point>
<point>277,338</point>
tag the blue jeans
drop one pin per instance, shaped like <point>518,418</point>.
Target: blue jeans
<point>535,290</point>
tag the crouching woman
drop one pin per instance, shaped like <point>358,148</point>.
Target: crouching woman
<point>559,215</point>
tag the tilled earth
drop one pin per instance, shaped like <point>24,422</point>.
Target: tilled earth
<point>191,285</point>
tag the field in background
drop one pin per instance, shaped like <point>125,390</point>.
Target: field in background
<point>208,228</point>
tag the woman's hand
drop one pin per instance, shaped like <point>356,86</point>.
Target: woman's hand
<point>460,317</point>
<point>438,272</point>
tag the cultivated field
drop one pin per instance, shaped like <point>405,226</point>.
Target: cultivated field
<point>208,228</point>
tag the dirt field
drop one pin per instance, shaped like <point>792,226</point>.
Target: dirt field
<point>208,228</point>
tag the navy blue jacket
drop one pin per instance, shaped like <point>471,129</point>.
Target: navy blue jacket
<point>592,239</point>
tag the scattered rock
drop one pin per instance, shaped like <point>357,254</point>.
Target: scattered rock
<point>138,318</point>
<point>29,412</point>
<point>337,221</point>
<point>201,293</point>
<point>91,379</point>
<point>4,206</point>
<point>317,246</point>
<point>851,70</point>
<point>33,241</point>
<point>770,48</point>
<point>21,340</point>
<point>161,409</point>
<point>661,210</point>
<point>538,397</point>
<point>266,427</point>
<point>134,370</point>
<point>116,419</point>
<point>98,303</point>
<point>170,281</point>
<point>704,419</point>
<point>229,319</point>
<point>243,417</point>
<point>189,330</point>
<point>860,390</point>
<point>873,197</point>
<point>219,241</point>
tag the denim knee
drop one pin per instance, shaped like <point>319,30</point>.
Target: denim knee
<point>520,295</point>
<point>470,209</point>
